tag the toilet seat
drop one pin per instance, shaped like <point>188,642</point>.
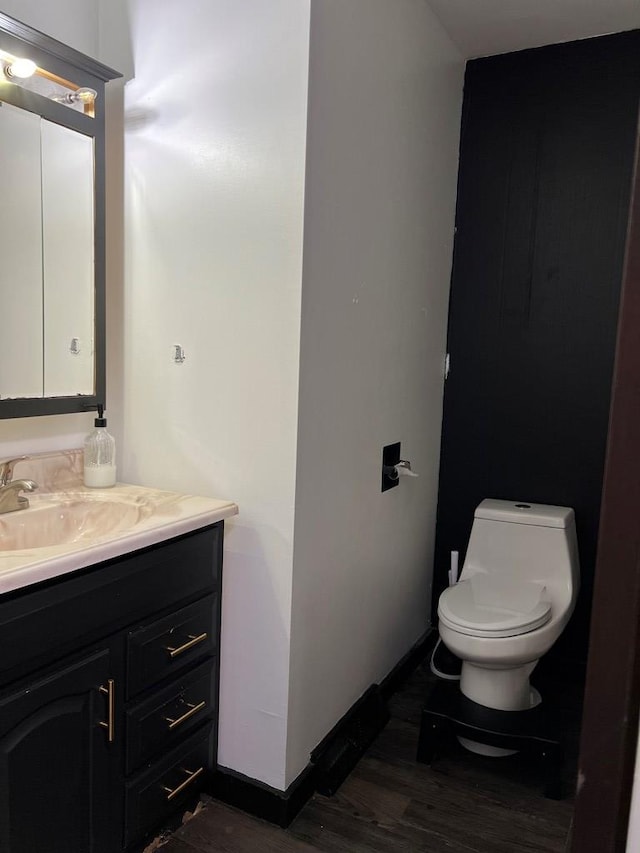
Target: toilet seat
<point>488,606</point>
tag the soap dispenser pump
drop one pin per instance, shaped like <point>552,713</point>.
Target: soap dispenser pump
<point>99,455</point>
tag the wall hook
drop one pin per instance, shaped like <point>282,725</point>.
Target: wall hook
<point>178,355</point>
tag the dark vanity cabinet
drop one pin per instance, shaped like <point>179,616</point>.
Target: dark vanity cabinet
<point>108,698</point>
<point>55,760</point>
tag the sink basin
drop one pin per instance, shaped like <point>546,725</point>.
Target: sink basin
<point>69,527</point>
<point>61,519</point>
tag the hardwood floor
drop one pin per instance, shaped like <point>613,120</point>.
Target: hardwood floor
<point>463,803</point>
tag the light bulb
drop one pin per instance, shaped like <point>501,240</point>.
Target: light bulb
<point>21,68</point>
<point>86,95</point>
<point>80,96</point>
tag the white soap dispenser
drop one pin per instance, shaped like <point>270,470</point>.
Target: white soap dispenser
<point>99,455</point>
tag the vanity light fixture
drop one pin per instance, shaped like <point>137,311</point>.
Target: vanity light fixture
<point>80,96</point>
<point>21,68</point>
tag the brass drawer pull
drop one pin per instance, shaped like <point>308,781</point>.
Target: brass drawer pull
<point>193,641</point>
<point>193,709</point>
<point>191,776</point>
<point>110,692</point>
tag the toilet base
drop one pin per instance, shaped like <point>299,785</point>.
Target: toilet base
<point>501,689</point>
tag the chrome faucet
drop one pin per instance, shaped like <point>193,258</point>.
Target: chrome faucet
<point>10,497</point>
<point>6,469</point>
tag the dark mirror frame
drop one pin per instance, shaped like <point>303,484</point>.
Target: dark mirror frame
<point>69,64</point>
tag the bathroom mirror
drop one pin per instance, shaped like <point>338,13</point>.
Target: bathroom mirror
<point>52,254</point>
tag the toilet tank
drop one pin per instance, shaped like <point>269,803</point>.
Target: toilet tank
<point>533,542</point>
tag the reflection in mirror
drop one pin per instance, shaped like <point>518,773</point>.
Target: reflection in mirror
<point>21,340</point>
<point>52,225</point>
<point>47,252</point>
<point>68,259</point>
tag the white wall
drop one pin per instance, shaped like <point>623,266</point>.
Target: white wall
<point>74,22</point>
<point>215,126</point>
<point>214,169</point>
<point>384,117</point>
<point>633,837</point>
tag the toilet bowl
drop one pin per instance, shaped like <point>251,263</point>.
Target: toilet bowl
<point>516,593</point>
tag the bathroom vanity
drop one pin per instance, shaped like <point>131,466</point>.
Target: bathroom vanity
<point>109,598</point>
<point>109,670</point>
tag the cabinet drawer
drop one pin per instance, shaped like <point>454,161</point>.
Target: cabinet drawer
<point>157,792</point>
<point>170,714</point>
<point>80,609</point>
<point>158,650</point>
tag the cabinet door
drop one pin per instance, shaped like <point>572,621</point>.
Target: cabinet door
<point>55,762</point>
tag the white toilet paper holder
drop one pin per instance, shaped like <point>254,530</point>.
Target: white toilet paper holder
<point>400,469</point>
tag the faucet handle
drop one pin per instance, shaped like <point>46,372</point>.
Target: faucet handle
<point>6,469</point>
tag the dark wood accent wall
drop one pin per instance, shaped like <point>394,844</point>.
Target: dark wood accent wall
<point>547,152</point>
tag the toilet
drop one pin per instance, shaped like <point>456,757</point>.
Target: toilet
<point>516,593</point>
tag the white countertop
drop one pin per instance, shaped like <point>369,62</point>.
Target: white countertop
<point>166,515</point>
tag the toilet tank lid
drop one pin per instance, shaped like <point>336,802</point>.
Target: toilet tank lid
<point>523,512</point>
